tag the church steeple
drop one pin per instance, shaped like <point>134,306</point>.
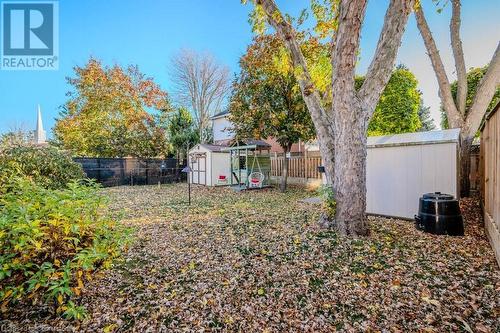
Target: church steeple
<point>40,136</point>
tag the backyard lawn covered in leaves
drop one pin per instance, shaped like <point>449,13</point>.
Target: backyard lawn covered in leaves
<point>256,261</point>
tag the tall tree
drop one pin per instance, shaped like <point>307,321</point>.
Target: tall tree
<point>424,113</point>
<point>341,129</point>
<point>267,101</point>
<point>106,113</point>
<point>397,109</point>
<point>202,84</point>
<point>458,112</point>
<point>181,132</point>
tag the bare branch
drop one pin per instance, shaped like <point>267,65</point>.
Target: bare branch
<point>454,118</point>
<point>458,54</point>
<point>201,83</point>
<point>382,64</point>
<point>485,92</point>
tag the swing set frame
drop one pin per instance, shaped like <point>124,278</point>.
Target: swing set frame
<point>240,178</point>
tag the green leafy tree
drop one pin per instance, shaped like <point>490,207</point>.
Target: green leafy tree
<point>182,132</point>
<point>107,115</point>
<point>397,109</point>
<point>267,101</point>
<point>474,77</point>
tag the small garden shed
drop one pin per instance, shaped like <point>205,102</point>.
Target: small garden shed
<point>210,165</point>
<point>402,167</point>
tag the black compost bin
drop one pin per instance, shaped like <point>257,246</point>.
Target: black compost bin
<point>439,214</point>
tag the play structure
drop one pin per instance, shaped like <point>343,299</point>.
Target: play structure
<point>250,165</point>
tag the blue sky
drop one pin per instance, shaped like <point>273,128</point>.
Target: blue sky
<point>149,32</point>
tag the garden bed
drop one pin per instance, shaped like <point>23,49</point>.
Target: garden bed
<point>256,261</point>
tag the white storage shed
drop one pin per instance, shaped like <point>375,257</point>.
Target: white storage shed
<point>402,167</point>
<point>210,165</point>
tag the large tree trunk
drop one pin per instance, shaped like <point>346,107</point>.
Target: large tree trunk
<point>284,170</point>
<point>465,148</point>
<point>349,183</point>
<point>341,131</point>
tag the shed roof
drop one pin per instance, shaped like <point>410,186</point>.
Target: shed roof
<point>256,142</point>
<point>209,147</point>
<point>216,148</point>
<point>220,114</point>
<point>247,143</point>
<point>417,138</point>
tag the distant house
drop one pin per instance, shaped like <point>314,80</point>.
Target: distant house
<point>222,128</point>
<point>223,135</point>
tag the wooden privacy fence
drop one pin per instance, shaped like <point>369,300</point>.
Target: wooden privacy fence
<point>298,166</point>
<point>490,166</point>
<point>131,171</point>
<point>475,168</point>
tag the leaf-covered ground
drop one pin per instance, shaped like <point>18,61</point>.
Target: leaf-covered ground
<point>257,262</point>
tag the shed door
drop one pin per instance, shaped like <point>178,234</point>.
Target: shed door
<point>199,169</point>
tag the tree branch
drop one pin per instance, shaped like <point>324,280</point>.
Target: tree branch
<point>312,98</point>
<point>382,64</point>
<point>454,118</point>
<point>345,46</point>
<point>288,34</point>
<point>485,92</point>
<point>458,54</point>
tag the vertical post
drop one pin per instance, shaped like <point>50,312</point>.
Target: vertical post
<point>231,159</point>
<point>99,170</point>
<point>239,170</point>
<point>246,168</point>
<point>189,192</point>
<point>188,170</point>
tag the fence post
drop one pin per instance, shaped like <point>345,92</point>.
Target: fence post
<point>99,170</point>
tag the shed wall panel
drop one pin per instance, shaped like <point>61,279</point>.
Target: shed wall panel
<point>398,176</point>
<point>220,166</point>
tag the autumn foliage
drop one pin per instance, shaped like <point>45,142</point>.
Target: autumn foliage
<point>54,231</point>
<point>107,115</point>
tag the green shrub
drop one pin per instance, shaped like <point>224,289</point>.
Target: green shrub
<point>51,240</point>
<point>47,166</point>
<point>329,204</point>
